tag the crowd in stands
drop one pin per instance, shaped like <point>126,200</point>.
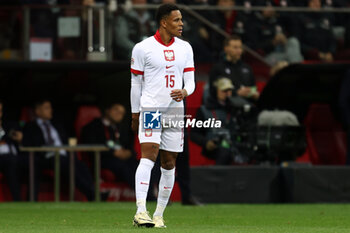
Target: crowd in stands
<point>275,35</point>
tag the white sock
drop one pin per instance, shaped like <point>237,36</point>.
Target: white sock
<point>166,184</point>
<point>142,179</point>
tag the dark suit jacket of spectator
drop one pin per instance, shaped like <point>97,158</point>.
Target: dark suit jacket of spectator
<point>8,126</point>
<point>33,136</point>
<point>95,133</point>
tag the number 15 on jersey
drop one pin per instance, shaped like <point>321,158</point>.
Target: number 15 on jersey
<point>170,80</point>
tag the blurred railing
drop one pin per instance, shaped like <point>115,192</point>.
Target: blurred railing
<point>71,32</point>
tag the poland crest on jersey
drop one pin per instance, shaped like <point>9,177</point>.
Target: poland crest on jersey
<point>169,55</point>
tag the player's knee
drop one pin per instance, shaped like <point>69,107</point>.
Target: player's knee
<point>168,165</point>
<point>150,156</point>
<point>150,151</point>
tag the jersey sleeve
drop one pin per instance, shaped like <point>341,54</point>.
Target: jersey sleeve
<point>137,60</point>
<point>189,61</point>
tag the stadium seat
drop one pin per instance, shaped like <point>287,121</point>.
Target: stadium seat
<point>85,114</point>
<point>27,114</point>
<point>194,101</point>
<point>326,140</point>
<point>260,85</point>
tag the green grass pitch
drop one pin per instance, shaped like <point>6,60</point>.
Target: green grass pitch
<point>117,217</point>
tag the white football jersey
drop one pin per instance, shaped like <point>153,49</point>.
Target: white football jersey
<point>161,68</point>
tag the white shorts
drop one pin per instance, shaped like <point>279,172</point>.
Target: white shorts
<point>169,138</point>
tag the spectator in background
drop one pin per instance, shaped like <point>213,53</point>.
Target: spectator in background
<point>91,2</point>
<point>43,132</point>
<point>132,27</point>
<point>74,48</point>
<point>243,22</point>
<point>218,143</point>
<point>244,92</point>
<point>10,28</point>
<point>10,137</point>
<point>44,20</point>
<point>341,27</point>
<point>337,19</point>
<point>109,130</point>
<point>287,19</point>
<point>225,20</point>
<point>240,73</point>
<point>316,35</point>
<point>196,32</point>
<point>270,38</point>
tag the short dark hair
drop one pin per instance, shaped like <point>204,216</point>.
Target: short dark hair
<point>108,105</point>
<point>40,102</point>
<point>233,37</point>
<point>164,10</point>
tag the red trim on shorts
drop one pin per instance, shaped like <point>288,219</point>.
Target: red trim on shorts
<point>159,39</point>
<point>136,72</point>
<point>189,69</point>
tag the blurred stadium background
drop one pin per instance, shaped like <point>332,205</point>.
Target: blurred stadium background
<point>75,53</point>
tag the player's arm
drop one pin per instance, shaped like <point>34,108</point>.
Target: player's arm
<point>135,97</point>
<point>137,67</point>
<point>189,84</point>
<point>180,94</point>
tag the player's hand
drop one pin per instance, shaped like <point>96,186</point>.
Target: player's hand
<point>135,121</point>
<point>16,135</point>
<point>328,57</point>
<point>178,94</point>
<point>122,154</point>
<point>280,38</point>
<point>244,91</point>
<point>88,2</point>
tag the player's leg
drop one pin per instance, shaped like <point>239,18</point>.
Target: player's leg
<point>166,184</point>
<point>150,141</point>
<point>171,145</point>
<point>149,153</point>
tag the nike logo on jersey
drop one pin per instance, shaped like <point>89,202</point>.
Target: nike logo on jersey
<point>144,183</point>
<point>167,187</point>
<point>167,67</point>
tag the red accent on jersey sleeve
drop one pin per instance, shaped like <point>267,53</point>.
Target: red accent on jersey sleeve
<point>136,72</point>
<point>189,69</point>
